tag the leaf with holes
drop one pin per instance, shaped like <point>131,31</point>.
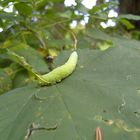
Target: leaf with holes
<point>103,91</point>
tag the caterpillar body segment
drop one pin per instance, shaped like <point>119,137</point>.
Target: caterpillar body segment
<point>60,72</point>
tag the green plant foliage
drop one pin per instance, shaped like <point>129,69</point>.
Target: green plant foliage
<point>20,79</point>
<point>103,91</point>
<point>130,17</point>
<point>8,16</point>
<point>5,82</point>
<point>32,57</point>
<point>102,7</point>
<point>23,8</point>
<point>115,40</point>
<point>127,24</point>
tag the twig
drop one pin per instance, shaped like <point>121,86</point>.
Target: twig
<point>98,134</point>
<point>74,39</point>
<point>73,36</point>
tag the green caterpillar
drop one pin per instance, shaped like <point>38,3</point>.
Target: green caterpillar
<point>52,77</point>
<point>60,72</point>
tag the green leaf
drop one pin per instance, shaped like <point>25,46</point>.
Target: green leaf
<point>24,9</point>
<point>20,79</point>
<point>104,91</point>
<point>82,9</point>
<point>31,56</point>
<point>59,43</point>
<point>116,40</point>
<point>3,58</point>
<point>99,8</point>
<point>130,17</point>
<point>104,45</point>
<point>66,14</point>
<point>127,24</point>
<point>9,16</point>
<point>5,82</point>
<point>40,4</point>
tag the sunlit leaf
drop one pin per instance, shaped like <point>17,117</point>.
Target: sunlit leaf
<point>23,8</point>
